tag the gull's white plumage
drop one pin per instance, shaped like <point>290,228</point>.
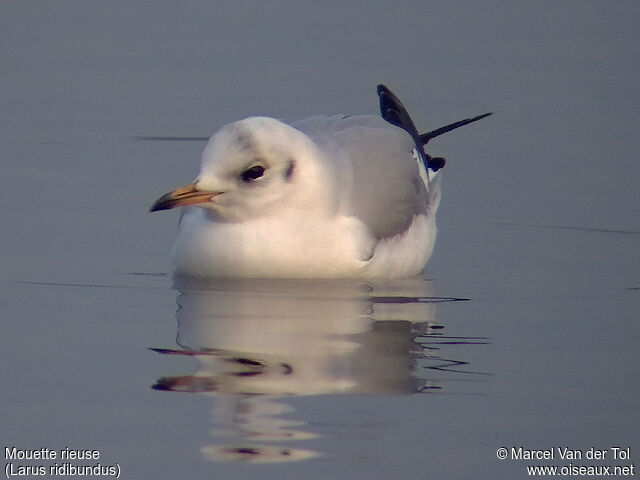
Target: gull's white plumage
<point>330,196</point>
<point>307,225</point>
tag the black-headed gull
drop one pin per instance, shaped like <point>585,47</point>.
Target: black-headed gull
<point>329,196</point>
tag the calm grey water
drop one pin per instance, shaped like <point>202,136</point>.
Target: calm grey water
<point>539,233</point>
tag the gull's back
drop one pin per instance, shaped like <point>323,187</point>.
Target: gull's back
<point>374,161</point>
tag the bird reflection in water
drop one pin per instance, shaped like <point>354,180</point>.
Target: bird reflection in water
<point>259,341</point>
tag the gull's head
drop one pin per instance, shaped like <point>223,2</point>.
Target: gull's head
<point>249,169</point>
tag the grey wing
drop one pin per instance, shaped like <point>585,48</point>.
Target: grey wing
<point>386,190</point>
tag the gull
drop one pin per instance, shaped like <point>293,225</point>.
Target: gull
<point>325,197</point>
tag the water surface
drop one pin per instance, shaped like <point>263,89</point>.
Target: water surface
<point>538,233</point>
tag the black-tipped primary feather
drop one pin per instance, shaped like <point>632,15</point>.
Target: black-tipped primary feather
<point>393,111</point>
<point>425,137</point>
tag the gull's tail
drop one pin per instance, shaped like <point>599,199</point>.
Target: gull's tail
<point>393,111</point>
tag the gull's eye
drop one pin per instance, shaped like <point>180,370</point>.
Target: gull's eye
<point>252,173</point>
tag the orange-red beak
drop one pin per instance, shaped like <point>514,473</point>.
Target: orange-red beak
<point>187,195</point>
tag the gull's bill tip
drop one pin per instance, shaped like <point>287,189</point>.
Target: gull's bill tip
<point>180,197</point>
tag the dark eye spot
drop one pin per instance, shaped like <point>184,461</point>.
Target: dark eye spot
<point>289,171</point>
<point>252,173</point>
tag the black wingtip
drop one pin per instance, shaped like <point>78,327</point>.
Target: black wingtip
<point>425,137</point>
<point>394,112</point>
